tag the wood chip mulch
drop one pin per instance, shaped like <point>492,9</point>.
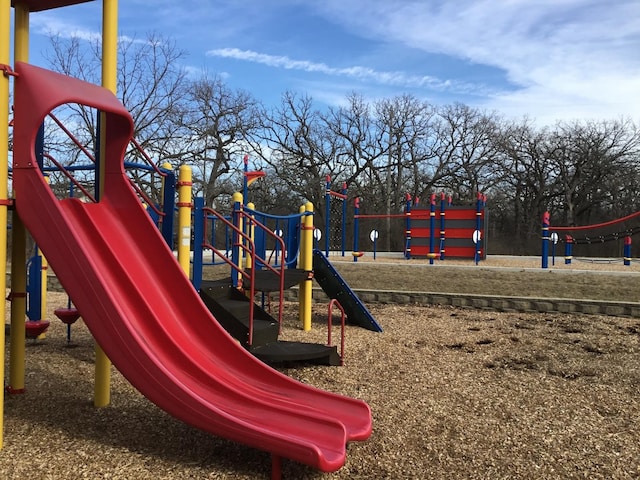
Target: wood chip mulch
<point>454,394</point>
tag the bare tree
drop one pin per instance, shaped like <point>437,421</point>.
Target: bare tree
<point>412,165</point>
<point>214,127</point>
<point>591,159</point>
<point>151,84</point>
<point>526,180</point>
<point>466,145</point>
<point>297,146</point>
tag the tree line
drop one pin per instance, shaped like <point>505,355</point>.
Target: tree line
<point>582,171</point>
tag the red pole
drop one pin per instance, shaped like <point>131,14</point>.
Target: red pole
<point>276,467</point>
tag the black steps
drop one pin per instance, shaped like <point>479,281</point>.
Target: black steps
<point>285,352</point>
<point>231,309</point>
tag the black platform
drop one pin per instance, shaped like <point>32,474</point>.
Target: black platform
<point>231,309</point>
<point>268,281</point>
<point>289,352</point>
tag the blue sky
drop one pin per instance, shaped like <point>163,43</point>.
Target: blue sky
<point>547,59</point>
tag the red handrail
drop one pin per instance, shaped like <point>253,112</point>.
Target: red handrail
<point>145,198</point>
<point>247,245</point>
<point>333,302</point>
<point>596,225</point>
<point>84,150</point>
<point>70,177</point>
<point>73,138</point>
<point>147,157</point>
<point>280,271</point>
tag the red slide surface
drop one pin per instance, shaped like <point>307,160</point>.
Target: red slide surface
<point>144,312</point>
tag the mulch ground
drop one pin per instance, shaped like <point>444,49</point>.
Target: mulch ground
<point>454,393</point>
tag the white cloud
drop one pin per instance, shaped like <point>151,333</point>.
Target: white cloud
<point>355,72</point>
<point>49,24</point>
<point>574,57</point>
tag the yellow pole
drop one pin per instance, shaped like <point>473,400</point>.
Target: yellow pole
<point>252,232</point>
<point>184,217</point>
<point>306,263</point>
<point>5,45</point>
<point>18,306</point>
<point>18,239</point>
<point>102,388</point>
<point>301,302</point>
<point>237,198</point>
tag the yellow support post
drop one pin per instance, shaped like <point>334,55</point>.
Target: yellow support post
<point>5,46</point>
<point>184,217</point>
<point>305,262</point>
<point>252,232</point>
<point>102,388</point>
<point>18,240</point>
<point>18,306</point>
<point>238,198</point>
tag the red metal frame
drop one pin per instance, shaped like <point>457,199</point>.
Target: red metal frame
<point>335,302</point>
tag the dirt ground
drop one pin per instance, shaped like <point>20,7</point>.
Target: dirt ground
<point>454,393</point>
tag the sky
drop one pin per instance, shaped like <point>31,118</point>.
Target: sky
<point>548,60</point>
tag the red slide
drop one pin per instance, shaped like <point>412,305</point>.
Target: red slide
<point>144,312</point>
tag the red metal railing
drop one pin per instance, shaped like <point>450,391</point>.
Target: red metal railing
<point>342,322</point>
<point>72,137</point>
<point>73,179</point>
<point>145,198</point>
<point>246,244</point>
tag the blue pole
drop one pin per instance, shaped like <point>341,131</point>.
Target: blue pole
<point>168,205</point>
<point>344,217</point>
<point>407,228</point>
<point>327,207</point>
<point>442,225</point>
<point>568,249</point>
<point>479,205</point>
<point>545,239</point>
<point>245,184</point>
<point>432,226</point>
<point>235,244</point>
<point>356,211</point>
<point>34,287</point>
<point>198,240</point>
<point>627,250</point>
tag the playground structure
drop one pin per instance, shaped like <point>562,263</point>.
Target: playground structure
<point>434,231</point>
<point>107,251</point>
<point>574,235</point>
